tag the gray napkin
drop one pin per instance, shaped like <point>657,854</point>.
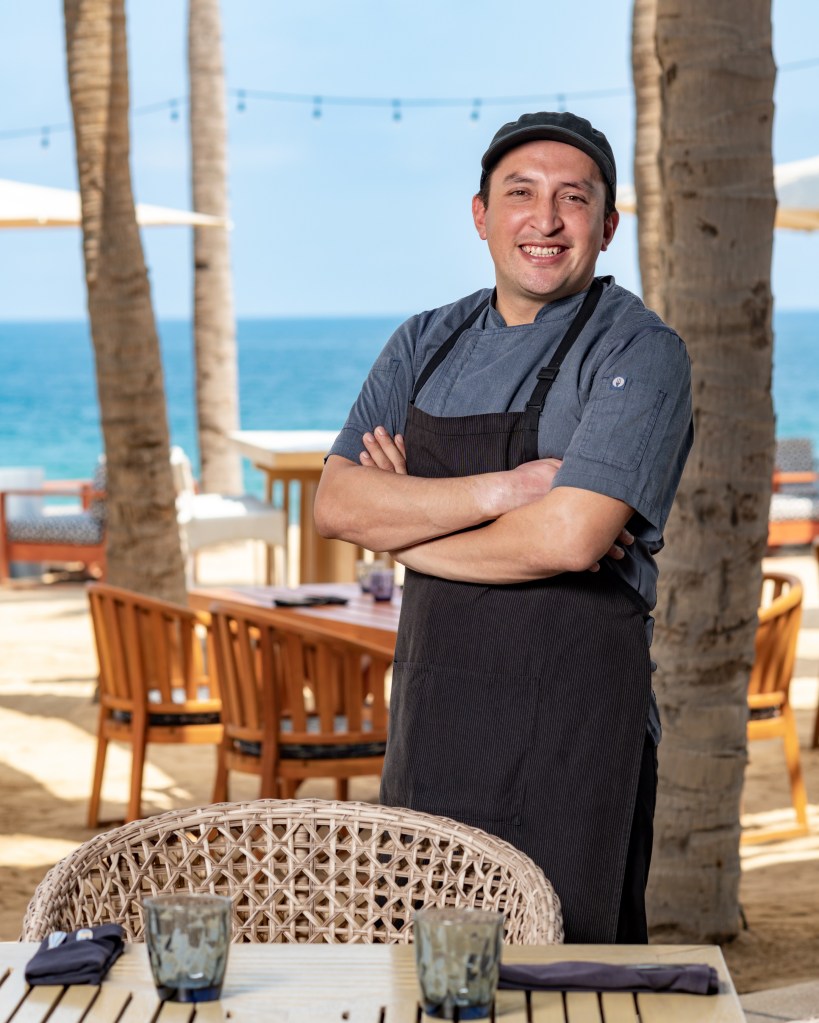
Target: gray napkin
<point>692,979</point>
<point>77,962</point>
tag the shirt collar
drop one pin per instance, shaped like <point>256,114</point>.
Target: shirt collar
<point>562,309</point>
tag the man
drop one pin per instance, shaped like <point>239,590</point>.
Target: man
<point>552,412</point>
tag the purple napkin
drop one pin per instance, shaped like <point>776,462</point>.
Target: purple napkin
<point>73,961</point>
<point>690,978</point>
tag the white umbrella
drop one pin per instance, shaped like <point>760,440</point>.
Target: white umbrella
<point>797,195</point>
<point>23,205</point>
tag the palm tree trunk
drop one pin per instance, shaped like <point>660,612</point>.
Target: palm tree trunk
<point>217,396</point>
<point>715,81</point>
<point>646,74</point>
<point>143,548</point>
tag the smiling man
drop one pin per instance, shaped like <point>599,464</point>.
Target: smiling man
<point>518,451</point>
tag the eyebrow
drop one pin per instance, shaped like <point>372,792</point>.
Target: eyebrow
<point>518,179</point>
<point>585,184</point>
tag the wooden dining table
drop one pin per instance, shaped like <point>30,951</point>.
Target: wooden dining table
<point>320,983</point>
<point>361,617</point>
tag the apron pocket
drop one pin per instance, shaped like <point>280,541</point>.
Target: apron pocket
<point>458,742</point>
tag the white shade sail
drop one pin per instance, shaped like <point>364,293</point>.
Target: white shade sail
<point>24,205</point>
<point>797,195</point>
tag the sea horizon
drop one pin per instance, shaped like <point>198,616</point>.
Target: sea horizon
<point>295,372</point>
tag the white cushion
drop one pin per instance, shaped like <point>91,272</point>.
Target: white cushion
<point>794,507</point>
<point>214,518</point>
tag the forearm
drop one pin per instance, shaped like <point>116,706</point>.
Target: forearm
<point>385,511</point>
<point>567,531</point>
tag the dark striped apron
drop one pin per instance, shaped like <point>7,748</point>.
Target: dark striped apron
<point>521,709</point>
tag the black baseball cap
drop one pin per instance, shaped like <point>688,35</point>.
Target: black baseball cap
<point>554,126</point>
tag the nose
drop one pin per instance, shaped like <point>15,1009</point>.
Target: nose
<point>546,216</point>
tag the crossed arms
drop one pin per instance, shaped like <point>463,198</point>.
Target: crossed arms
<point>530,531</point>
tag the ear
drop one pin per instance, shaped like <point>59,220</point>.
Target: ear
<point>479,215</point>
<point>609,227</point>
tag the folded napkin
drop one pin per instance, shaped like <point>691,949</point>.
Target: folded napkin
<point>693,978</point>
<point>77,959</point>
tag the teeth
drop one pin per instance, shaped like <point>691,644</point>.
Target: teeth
<point>540,250</point>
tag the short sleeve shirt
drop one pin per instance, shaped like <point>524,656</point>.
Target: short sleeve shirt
<point>618,414</point>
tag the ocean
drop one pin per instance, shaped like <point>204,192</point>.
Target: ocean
<point>296,374</point>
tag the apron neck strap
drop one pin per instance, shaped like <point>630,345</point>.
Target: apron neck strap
<point>547,375</point>
<point>445,349</point>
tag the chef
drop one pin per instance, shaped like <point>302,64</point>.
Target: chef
<point>518,451</point>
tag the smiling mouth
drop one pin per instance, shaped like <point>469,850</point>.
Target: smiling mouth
<point>542,250</point>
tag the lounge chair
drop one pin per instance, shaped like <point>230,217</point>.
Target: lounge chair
<point>40,537</point>
<point>794,514</point>
<point>207,519</point>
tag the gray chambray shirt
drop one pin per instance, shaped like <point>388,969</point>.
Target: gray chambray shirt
<point>618,414</point>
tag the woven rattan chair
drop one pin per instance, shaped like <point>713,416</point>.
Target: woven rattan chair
<point>296,703</point>
<point>770,713</point>
<point>298,871</point>
<point>153,685</point>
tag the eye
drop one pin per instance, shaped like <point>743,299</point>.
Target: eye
<point>576,198</point>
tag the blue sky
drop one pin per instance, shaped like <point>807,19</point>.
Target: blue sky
<point>353,212</point>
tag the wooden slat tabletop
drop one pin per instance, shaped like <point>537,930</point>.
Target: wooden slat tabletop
<point>355,984</point>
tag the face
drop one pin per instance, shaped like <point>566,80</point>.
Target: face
<point>545,225</point>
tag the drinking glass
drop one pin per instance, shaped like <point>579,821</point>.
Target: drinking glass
<point>188,937</point>
<point>457,955</point>
<point>381,582</point>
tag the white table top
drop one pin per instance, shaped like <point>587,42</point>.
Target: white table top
<point>357,983</point>
<point>271,448</point>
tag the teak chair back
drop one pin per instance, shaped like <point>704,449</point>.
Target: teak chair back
<point>154,684</point>
<point>297,703</point>
<point>770,713</point>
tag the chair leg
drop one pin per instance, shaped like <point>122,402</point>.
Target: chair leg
<point>288,787</point>
<point>790,740</point>
<point>220,784</point>
<point>96,785</point>
<point>342,789</point>
<point>137,770</point>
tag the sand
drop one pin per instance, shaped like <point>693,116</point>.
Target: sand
<point>48,719</point>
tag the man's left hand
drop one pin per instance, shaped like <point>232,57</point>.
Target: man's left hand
<point>384,452</point>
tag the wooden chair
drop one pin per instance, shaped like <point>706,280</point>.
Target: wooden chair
<point>298,704</point>
<point>794,513</point>
<point>770,713</point>
<point>153,683</point>
<point>78,536</point>
<point>298,871</point>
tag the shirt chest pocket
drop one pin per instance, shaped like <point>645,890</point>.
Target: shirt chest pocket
<point>618,422</point>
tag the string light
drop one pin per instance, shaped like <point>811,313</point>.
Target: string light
<point>397,105</point>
